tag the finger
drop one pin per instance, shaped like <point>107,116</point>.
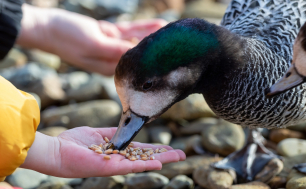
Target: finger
<point>181,154</point>
<point>98,65</point>
<point>107,132</point>
<point>112,49</point>
<point>145,145</point>
<point>109,29</point>
<point>141,24</point>
<point>167,157</point>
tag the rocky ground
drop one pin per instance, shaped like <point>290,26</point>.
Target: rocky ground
<point>70,97</point>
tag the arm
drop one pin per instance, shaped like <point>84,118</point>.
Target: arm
<point>80,40</point>
<point>68,155</point>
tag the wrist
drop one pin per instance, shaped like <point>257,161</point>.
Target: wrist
<point>35,26</point>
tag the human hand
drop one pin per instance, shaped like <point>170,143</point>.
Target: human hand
<point>80,40</point>
<point>70,156</point>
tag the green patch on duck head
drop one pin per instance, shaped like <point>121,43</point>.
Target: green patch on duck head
<point>176,46</point>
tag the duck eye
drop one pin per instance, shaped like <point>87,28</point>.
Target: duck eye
<point>147,85</point>
<point>288,74</point>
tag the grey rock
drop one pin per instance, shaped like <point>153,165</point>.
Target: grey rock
<point>98,113</point>
<point>251,185</point>
<point>114,182</point>
<point>54,186</point>
<point>223,138</point>
<point>15,58</point>
<point>26,178</point>
<point>193,107</point>
<point>63,181</point>
<point>142,136</point>
<point>187,167</point>
<point>291,147</point>
<point>296,180</point>
<point>53,131</point>
<point>204,9</point>
<point>146,181</point>
<point>207,177</point>
<point>36,79</point>
<point>160,134</point>
<point>45,59</point>
<point>220,179</point>
<point>179,143</point>
<point>197,126</point>
<point>180,182</point>
<point>289,162</point>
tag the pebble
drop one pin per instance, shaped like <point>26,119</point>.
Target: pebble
<point>296,180</point>
<point>219,179</point>
<point>197,126</point>
<point>54,186</point>
<point>160,134</point>
<point>26,178</point>
<point>187,167</point>
<point>113,182</point>
<point>192,107</point>
<point>44,58</point>
<point>97,113</point>
<point>204,9</point>
<point>251,185</point>
<point>291,147</point>
<point>278,182</point>
<point>180,182</point>
<point>142,136</point>
<point>289,162</point>
<point>146,181</point>
<point>277,135</point>
<point>223,138</point>
<point>15,58</point>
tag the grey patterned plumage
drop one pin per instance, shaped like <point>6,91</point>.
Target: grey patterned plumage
<point>270,28</point>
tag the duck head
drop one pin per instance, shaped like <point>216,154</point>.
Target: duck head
<point>162,69</point>
<point>296,74</point>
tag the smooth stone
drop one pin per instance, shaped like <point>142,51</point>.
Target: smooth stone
<point>146,181</point>
<point>251,185</point>
<point>44,58</point>
<point>219,179</point>
<point>160,134</point>
<point>299,127</point>
<point>278,182</point>
<point>44,3</point>
<point>208,177</point>
<point>15,58</point>
<point>97,113</point>
<point>179,143</point>
<point>36,79</point>
<point>277,135</point>
<point>142,136</point>
<point>273,167</point>
<point>113,182</point>
<point>291,147</point>
<point>180,182</point>
<point>223,138</point>
<point>186,167</point>
<point>204,8</point>
<point>296,180</point>
<point>63,181</point>
<point>53,131</point>
<point>194,145</point>
<point>289,162</point>
<point>26,178</point>
<point>193,107</point>
<point>54,186</point>
<point>197,126</point>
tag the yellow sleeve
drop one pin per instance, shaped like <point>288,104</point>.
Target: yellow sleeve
<point>19,118</point>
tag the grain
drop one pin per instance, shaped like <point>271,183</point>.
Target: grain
<point>132,153</point>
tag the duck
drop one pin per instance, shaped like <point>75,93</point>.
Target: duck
<point>296,73</point>
<point>230,64</point>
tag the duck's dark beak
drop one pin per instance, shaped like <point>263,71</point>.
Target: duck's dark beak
<point>290,80</point>
<point>129,125</point>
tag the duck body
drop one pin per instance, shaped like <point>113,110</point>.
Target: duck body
<point>231,65</point>
<point>267,30</point>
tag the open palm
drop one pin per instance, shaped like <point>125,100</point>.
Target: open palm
<point>74,159</point>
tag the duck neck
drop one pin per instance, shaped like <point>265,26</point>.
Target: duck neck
<point>222,64</point>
